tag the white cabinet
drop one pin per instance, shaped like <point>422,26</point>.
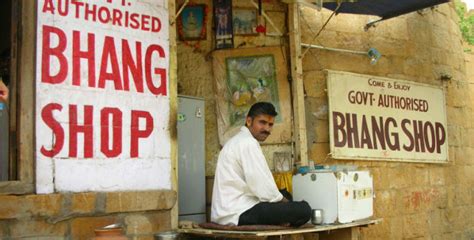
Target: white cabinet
<point>344,196</point>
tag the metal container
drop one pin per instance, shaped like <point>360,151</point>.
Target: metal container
<point>317,216</point>
<point>167,236</point>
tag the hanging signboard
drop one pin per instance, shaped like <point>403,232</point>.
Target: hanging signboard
<point>374,118</point>
<point>102,105</point>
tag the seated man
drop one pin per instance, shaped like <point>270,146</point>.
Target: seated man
<point>244,190</point>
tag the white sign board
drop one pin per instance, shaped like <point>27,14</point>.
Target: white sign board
<point>102,105</point>
<point>374,118</point>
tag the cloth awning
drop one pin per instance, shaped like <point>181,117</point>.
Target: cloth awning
<point>383,8</point>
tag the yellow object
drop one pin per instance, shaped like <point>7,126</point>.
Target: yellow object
<point>241,98</point>
<point>284,180</point>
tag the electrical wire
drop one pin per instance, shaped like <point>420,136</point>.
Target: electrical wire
<point>322,28</point>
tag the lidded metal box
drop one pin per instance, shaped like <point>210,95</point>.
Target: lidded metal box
<point>344,196</point>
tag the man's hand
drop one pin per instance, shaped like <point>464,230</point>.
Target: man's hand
<point>3,92</point>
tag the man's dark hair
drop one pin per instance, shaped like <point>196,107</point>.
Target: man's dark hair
<point>262,108</point>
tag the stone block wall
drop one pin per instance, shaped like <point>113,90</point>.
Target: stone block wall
<point>416,201</point>
<point>76,215</point>
<point>195,76</point>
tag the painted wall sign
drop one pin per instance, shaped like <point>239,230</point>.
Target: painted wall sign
<point>374,118</point>
<point>102,105</point>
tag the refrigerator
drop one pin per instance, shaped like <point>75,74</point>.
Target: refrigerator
<point>191,163</point>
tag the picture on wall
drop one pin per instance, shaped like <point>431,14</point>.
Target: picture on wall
<point>244,77</point>
<point>223,24</point>
<point>245,21</point>
<point>192,23</point>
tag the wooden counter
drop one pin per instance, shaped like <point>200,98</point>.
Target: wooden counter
<point>333,231</point>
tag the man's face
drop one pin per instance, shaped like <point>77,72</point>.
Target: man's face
<point>260,126</point>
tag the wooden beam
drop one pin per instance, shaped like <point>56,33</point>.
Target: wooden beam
<point>299,118</point>
<point>173,94</point>
<point>26,92</point>
<point>269,20</point>
<point>16,187</point>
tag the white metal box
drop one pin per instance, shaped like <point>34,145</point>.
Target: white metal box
<point>344,196</point>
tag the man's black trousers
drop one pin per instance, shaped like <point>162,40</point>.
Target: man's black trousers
<point>279,213</point>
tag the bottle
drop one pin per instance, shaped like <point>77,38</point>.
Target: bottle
<point>311,165</point>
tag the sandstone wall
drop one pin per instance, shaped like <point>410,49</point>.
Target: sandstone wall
<point>72,215</point>
<point>195,76</point>
<point>416,201</point>
<point>75,216</point>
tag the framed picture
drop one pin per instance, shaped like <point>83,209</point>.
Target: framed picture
<point>244,77</point>
<point>192,23</point>
<point>245,21</point>
<point>223,24</point>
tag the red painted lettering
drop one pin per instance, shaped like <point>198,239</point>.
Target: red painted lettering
<point>117,17</point>
<point>63,8</point>
<point>48,6</point>
<point>116,148</point>
<point>161,89</point>
<point>88,55</point>
<point>87,129</point>
<point>111,54</point>
<point>90,12</point>
<point>129,66</point>
<point>145,22</point>
<point>155,24</point>
<point>58,52</point>
<point>58,131</point>
<point>134,21</point>
<point>136,133</point>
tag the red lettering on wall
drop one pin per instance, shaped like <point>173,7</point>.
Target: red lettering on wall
<point>88,55</point>
<point>136,133</point>
<point>58,131</point>
<point>161,89</point>
<point>87,129</point>
<point>132,67</point>
<point>132,62</point>
<point>116,148</point>
<point>57,51</point>
<point>63,8</point>
<point>111,123</point>
<point>48,6</point>
<point>110,53</point>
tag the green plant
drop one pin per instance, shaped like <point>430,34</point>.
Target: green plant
<point>466,22</point>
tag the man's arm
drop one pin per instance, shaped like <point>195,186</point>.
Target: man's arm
<point>3,92</point>
<point>257,174</point>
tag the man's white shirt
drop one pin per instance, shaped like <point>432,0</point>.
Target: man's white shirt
<point>242,179</point>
